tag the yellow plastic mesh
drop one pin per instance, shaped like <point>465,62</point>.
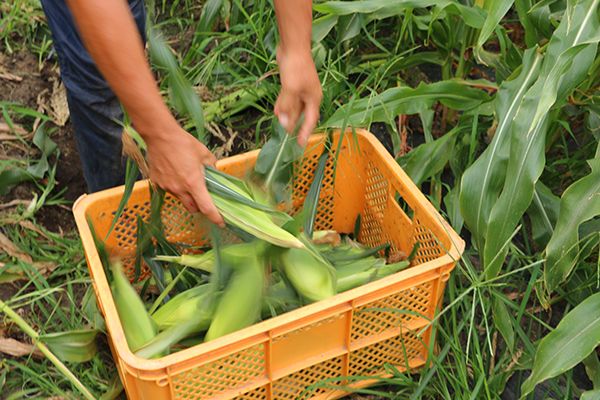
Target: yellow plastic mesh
<point>124,232</point>
<point>180,226</point>
<point>377,195</point>
<point>391,312</point>
<point>260,393</point>
<point>218,376</point>
<point>309,382</point>
<point>429,247</point>
<point>302,181</point>
<point>397,351</point>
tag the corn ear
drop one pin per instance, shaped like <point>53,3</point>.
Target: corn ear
<point>235,203</point>
<point>351,281</point>
<point>185,306</point>
<point>137,324</point>
<point>204,261</point>
<point>240,304</point>
<point>309,273</point>
<point>161,343</point>
<point>255,222</point>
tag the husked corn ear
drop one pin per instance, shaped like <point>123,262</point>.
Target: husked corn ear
<point>185,306</point>
<point>137,323</point>
<point>308,273</point>
<point>240,304</point>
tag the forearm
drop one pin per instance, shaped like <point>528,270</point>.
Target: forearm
<point>294,20</point>
<point>111,37</point>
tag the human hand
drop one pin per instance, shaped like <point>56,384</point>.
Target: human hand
<point>300,92</point>
<point>176,164</point>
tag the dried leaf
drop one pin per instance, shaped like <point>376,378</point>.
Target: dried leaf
<point>58,104</point>
<point>4,74</point>
<point>14,348</point>
<point>12,250</point>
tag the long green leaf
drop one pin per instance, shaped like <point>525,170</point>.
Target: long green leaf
<point>312,197</point>
<point>503,321</point>
<point>430,158</point>
<point>591,395</point>
<point>496,9</point>
<point>210,11</point>
<point>578,32</point>
<point>11,177</point>
<point>72,346</point>
<point>379,9</point>
<point>185,99</point>
<point>275,162</point>
<point>575,337</point>
<point>579,203</point>
<point>543,213</point>
<point>482,182</point>
<point>406,100</point>
<point>131,175</point>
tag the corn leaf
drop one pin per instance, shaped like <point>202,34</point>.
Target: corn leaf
<point>72,346</point>
<point>131,175</point>
<point>579,203</point>
<point>322,26</point>
<point>503,321</point>
<point>11,177</point>
<point>380,9</point>
<point>217,187</point>
<point>592,369</point>
<point>275,162</point>
<point>591,395</point>
<point>89,309</point>
<point>496,9</point>
<point>184,98</point>
<point>210,11</point>
<point>482,182</point>
<point>430,158</point>
<point>312,197</point>
<point>406,100</point>
<point>565,65</point>
<point>575,337</point>
<point>543,213</point>
<point>46,146</point>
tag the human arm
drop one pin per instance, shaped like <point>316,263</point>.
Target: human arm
<point>300,86</point>
<point>175,157</point>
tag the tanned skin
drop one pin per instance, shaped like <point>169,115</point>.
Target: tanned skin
<point>176,159</point>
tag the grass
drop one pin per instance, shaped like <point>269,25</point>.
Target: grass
<point>489,327</point>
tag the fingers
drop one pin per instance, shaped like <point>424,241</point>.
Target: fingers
<point>287,110</point>
<point>205,204</point>
<point>311,117</point>
<point>188,202</point>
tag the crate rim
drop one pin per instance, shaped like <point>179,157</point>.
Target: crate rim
<point>154,369</point>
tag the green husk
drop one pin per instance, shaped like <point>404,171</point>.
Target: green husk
<point>137,324</point>
<point>240,304</point>
<point>204,262</point>
<point>351,281</point>
<point>309,273</point>
<point>183,307</point>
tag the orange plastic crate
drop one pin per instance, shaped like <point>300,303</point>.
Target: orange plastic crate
<point>305,353</point>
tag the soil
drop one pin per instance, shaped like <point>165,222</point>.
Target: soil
<point>35,87</point>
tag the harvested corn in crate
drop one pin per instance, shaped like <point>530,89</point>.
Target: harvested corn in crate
<point>292,305</point>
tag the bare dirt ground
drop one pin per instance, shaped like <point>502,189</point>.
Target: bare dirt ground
<point>31,87</point>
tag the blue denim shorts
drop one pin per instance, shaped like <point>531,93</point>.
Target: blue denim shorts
<point>96,113</point>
